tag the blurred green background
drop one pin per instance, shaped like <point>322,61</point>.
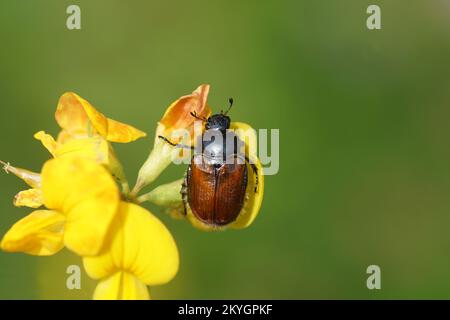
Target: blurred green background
<point>363,118</point>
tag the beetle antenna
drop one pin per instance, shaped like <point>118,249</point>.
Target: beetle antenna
<point>194,114</point>
<point>230,101</point>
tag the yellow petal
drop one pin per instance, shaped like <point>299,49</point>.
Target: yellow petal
<point>87,195</point>
<point>97,119</point>
<point>31,198</point>
<point>95,148</point>
<point>40,233</point>
<point>47,141</point>
<point>77,116</point>
<point>123,133</point>
<point>248,135</point>
<point>252,204</point>
<point>253,200</point>
<point>140,245</point>
<point>121,286</point>
<point>70,114</point>
<point>64,136</point>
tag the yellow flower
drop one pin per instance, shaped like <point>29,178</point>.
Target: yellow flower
<point>85,134</point>
<point>95,147</point>
<point>169,195</point>
<point>122,244</point>
<point>177,117</point>
<point>82,199</point>
<point>141,252</point>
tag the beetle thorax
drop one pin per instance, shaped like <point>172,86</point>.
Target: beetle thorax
<point>218,145</point>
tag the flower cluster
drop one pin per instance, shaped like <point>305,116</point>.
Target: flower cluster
<point>83,201</point>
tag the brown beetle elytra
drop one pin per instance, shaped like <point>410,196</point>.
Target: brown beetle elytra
<point>216,180</point>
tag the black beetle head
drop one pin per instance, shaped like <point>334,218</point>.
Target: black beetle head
<point>218,121</point>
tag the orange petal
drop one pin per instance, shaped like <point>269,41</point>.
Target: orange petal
<point>178,114</point>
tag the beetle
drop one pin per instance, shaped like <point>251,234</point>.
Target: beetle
<point>216,180</point>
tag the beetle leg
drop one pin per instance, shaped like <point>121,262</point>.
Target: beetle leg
<point>179,145</point>
<point>255,170</point>
<point>184,193</point>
